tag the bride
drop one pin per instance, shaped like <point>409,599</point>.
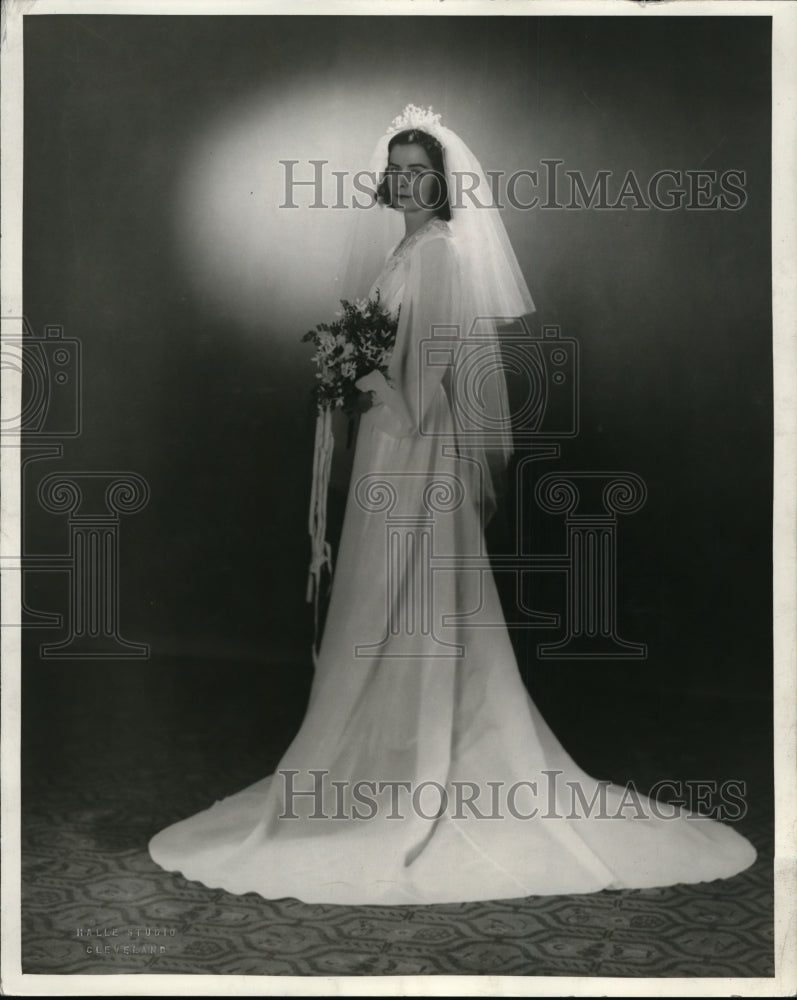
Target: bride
<point>423,772</point>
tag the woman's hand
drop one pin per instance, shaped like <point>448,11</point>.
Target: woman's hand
<point>390,409</point>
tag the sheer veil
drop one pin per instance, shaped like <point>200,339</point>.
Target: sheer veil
<point>495,290</point>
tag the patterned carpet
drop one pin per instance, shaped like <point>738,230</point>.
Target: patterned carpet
<point>148,745</point>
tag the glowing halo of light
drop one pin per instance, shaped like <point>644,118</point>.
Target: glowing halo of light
<point>264,267</point>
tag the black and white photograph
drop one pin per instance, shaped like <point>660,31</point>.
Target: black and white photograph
<point>398,511</point>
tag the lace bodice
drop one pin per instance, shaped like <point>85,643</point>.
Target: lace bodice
<point>393,276</point>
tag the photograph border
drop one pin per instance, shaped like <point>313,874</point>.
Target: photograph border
<point>784,550</point>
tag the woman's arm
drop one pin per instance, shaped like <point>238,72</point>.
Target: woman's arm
<point>430,309</point>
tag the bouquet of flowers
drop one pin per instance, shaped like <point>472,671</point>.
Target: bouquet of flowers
<point>359,340</point>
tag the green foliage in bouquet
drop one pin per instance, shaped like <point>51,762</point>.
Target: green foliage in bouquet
<point>359,340</point>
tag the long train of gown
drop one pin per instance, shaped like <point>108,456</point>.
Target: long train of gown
<point>453,727</point>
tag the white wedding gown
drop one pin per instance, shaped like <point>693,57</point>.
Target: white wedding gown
<point>408,711</point>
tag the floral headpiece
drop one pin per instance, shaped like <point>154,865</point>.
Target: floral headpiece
<point>414,117</point>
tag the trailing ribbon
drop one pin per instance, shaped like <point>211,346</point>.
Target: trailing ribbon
<point>321,551</point>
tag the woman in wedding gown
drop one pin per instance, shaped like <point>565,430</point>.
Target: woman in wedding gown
<point>423,772</point>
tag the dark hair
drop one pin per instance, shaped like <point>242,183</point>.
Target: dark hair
<point>434,150</point>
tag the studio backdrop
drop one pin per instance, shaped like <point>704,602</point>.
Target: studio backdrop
<point>186,200</point>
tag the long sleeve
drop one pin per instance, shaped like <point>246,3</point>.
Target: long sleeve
<point>431,309</point>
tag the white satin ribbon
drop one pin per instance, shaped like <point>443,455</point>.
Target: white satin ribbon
<point>321,551</point>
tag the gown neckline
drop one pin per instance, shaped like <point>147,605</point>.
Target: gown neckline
<point>408,241</point>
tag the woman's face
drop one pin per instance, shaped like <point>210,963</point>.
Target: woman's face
<point>412,183</point>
